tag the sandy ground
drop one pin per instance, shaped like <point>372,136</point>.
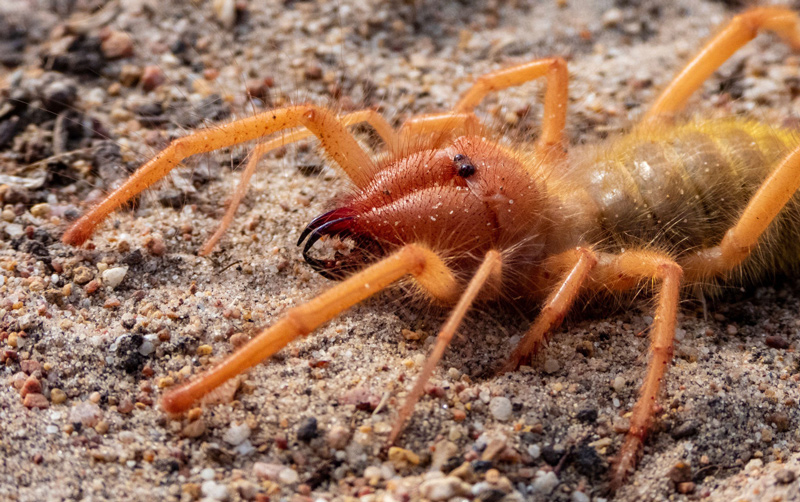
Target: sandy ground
<point>100,356</point>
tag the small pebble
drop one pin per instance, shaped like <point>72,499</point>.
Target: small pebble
<point>112,277</point>
<point>288,477</point>
<point>35,401</point>
<point>338,437</point>
<point>551,366</point>
<point>307,430</point>
<point>86,413</point>
<point>619,383</point>
<point>214,490</point>
<point>41,210</point>
<point>32,385</point>
<point>237,434</point>
<point>266,471</point>
<point>443,488</point>
<point>545,482</point>
<point>194,429</point>
<point>152,77</point>
<point>500,408</point>
<point>117,44</point>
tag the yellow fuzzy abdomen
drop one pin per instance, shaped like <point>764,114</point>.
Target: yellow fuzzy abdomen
<point>680,188</point>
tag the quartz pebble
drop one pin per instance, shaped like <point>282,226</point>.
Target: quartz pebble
<point>500,408</point>
<point>237,434</point>
<point>112,277</point>
<point>86,413</point>
<point>443,488</point>
<point>214,490</point>
<point>288,477</point>
<point>545,482</point>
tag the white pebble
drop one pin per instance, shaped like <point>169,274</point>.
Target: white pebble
<point>237,434</point>
<point>214,490</point>
<point>112,277</point>
<point>535,451</point>
<point>86,413</point>
<point>146,348</point>
<point>267,471</point>
<point>288,477</point>
<point>545,482</point>
<point>14,230</point>
<point>500,408</point>
<point>443,488</point>
<point>246,448</point>
<point>52,429</point>
<point>207,474</point>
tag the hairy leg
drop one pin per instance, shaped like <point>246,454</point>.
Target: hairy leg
<point>333,136</point>
<point>624,271</point>
<point>423,264</point>
<point>738,32</point>
<point>371,117</point>
<point>555,99</point>
<point>575,266</point>
<point>488,272</point>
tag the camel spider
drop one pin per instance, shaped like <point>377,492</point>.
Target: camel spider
<point>671,204</point>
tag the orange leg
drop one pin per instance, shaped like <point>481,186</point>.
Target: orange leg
<point>489,271</point>
<point>740,240</point>
<point>333,136</point>
<point>741,29</point>
<point>426,267</point>
<point>371,117</point>
<point>428,130</point>
<point>555,99</point>
<point>623,272</point>
<point>578,263</point>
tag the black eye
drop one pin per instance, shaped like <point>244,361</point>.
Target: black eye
<point>464,166</point>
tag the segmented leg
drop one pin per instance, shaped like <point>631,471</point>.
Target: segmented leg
<point>333,136</point>
<point>740,240</point>
<point>422,263</point>
<point>555,99</point>
<point>383,128</point>
<point>737,33</point>
<point>623,272</point>
<point>489,271</point>
<point>426,131</point>
<point>577,263</point>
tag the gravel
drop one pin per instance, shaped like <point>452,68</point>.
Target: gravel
<point>74,129</point>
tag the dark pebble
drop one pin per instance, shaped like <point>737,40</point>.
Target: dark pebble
<point>588,462</point>
<point>776,342</point>
<point>84,56</point>
<point>59,95</point>
<point>684,430</point>
<point>588,416</point>
<point>307,430</point>
<point>481,466</point>
<point>8,129</point>
<point>135,257</point>
<point>785,476</point>
<point>128,352</point>
<point>552,455</point>
<point>680,473</point>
